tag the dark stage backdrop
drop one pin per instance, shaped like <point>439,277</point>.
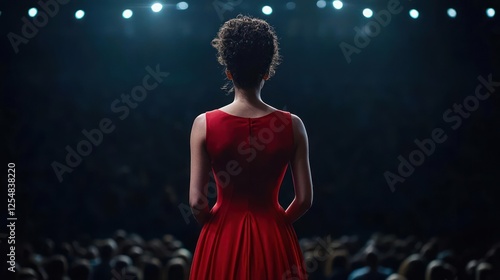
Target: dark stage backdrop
<point>401,139</point>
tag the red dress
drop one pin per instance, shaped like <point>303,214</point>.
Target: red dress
<point>247,236</point>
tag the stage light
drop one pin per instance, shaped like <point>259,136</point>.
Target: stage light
<point>490,12</point>
<point>337,4</point>
<point>127,13</point>
<point>182,6</point>
<point>79,14</point>
<point>414,13</point>
<point>321,4</point>
<point>290,5</point>
<point>32,12</point>
<point>267,10</point>
<point>367,13</point>
<point>156,7</point>
<point>452,13</point>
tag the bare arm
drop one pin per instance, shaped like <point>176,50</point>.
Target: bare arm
<point>301,173</point>
<point>200,168</point>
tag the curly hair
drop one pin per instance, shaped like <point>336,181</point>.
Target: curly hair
<point>248,48</point>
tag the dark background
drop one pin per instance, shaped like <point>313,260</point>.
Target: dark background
<point>360,116</point>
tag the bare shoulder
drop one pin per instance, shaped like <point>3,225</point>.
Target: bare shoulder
<point>200,119</point>
<point>199,124</point>
<point>299,132</point>
<point>298,125</point>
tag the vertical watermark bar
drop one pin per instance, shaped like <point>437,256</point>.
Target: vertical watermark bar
<point>11,216</point>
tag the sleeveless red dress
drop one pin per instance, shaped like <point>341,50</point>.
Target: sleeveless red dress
<point>247,236</point>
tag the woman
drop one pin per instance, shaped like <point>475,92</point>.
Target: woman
<point>248,146</point>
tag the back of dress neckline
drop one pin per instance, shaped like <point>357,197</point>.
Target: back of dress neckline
<point>266,115</point>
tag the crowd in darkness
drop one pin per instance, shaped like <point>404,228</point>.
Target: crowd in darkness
<point>127,256</point>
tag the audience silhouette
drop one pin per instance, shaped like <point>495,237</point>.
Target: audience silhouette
<point>385,257</point>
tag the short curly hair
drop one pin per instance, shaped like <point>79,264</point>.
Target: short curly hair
<point>248,48</point>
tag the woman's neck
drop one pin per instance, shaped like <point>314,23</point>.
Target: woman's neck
<point>247,96</point>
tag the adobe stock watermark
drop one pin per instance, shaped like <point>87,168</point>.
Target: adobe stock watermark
<point>120,106</point>
<point>123,275</point>
<point>247,149</point>
<point>30,29</point>
<point>372,29</point>
<point>454,117</point>
<point>223,6</point>
<point>312,260</point>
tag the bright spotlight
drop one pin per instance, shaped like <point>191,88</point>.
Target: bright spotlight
<point>127,13</point>
<point>32,12</point>
<point>79,14</point>
<point>367,13</point>
<point>490,12</point>
<point>337,4</point>
<point>452,13</point>
<point>156,7</point>
<point>182,6</point>
<point>267,10</point>
<point>321,4</point>
<point>414,14</point>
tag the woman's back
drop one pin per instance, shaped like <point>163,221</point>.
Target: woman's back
<point>247,235</point>
<point>249,157</point>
